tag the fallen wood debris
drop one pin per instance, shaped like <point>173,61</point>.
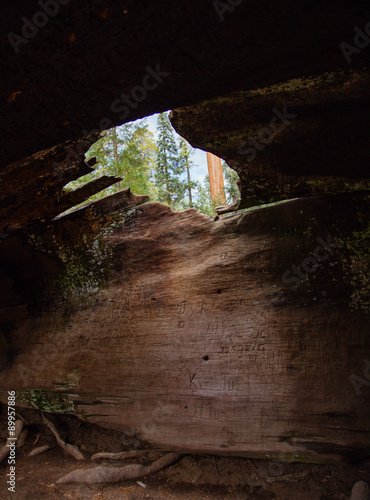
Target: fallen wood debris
<point>69,448</point>
<point>103,474</point>
<point>120,456</point>
<point>4,452</point>
<point>39,450</point>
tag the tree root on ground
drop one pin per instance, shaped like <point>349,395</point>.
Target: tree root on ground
<point>22,438</point>
<point>120,456</point>
<point>39,450</point>
<point>103,474</point>
<point>69,448</point>
<point>12,440</point>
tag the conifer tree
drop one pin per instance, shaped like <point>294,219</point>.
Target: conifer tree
<point>129,152</point>
<point>169,168</point>
<point>186,152</point>
<point>231,184</point>
<point>203,202</point>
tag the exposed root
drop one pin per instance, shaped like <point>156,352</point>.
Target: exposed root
<point>39,450</point>
<point>69,448</point>
<point>36,440</point>
<point>22,438</point>
<point>120,456</point>
<point>286,477</point>
<point>103,474</point>
<point>5,450</point>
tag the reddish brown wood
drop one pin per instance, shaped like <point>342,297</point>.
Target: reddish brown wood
<point>216,179</point>
<point>187,349</point>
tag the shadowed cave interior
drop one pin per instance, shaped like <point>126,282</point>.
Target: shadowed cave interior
<point>232,351</point>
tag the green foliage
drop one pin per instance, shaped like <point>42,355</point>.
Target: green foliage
<point>185,153</point>
<point>169,167</point>
<point>138,161</point>
<point>231,187</point>
<point>128,152</point>
<point>46,400</point>
<point>160,169</point>
<point>203,201</point>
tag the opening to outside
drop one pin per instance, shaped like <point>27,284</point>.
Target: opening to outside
<point>152,159</point>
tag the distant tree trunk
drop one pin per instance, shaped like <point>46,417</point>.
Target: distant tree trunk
<point>216,178</point>
<point>168,194</point>
<point>115,155</point>
<point>189,186</point>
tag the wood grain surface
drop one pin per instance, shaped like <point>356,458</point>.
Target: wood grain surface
<point>188,349</point>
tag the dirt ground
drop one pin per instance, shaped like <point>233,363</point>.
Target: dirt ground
<point>192,477</point>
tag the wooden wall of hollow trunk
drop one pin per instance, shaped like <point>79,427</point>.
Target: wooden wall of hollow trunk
<point>199,342</point>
